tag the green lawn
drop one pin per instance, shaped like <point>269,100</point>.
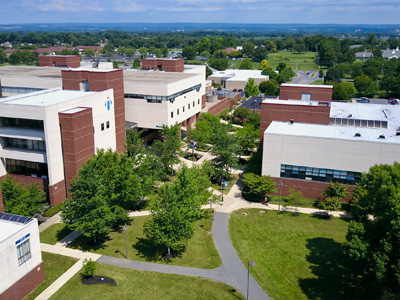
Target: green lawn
<point>234,64</point>
<point>200,252</point>
<point>304,61</point>
<point>296,257</point>
<point>54,233</point>
<point>136,284</point>
<point>317,82</point>
<point>231,183</point>
<point>54,266</point>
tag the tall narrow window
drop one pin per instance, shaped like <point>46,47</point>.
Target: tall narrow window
<point>24,252</point>
<point>177,111</point>
<point>172,114</point>
<point>102,126</point>
<point>108,124</point>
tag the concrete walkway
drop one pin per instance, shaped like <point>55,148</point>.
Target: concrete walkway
<point>50,221</point>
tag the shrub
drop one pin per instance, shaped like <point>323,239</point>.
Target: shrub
<point>89,267</point>
<point>53,210</point>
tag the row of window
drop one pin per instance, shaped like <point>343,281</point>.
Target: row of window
<point>317,174</point>
<point>19,90</point>
<point>21,123</point>
<point>158,99</point>
<point>25,144</point>
<point>107,125</point>
<point>28,168</point>
<point>183,108</point>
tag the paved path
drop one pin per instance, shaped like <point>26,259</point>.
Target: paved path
<point>50,221</point>
<point>232,271</point>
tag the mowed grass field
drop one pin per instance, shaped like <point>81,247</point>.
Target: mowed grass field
<point>296,257</point>
<point>142,285</point>
<point>200,252</point>
<point>304,61</point>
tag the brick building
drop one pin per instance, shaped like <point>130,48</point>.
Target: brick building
<point>167,65</point>
<point>305,92</point>
<point>70,61</point>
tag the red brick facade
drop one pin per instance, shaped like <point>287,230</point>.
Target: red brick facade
<point>77,141</point>
<point>203,101</point>
<point>25,285</point>
<point>309,189</point>
<point>101,81</point>
<point>167,65</point>
<point>71,61</point>
<point>299,113</point>
<point>224,103</point>
<point>294,92</point>
<point>57,193</point>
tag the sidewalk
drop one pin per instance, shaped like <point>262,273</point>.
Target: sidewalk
<point>51,221</point>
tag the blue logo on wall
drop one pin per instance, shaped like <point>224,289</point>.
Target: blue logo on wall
<point>108,103</point>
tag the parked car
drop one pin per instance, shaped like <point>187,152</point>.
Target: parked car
<point>394,101</point>
<point>363,100</point>
<point>235,90</point>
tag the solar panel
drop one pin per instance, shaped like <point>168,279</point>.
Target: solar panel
<point>15,218</point>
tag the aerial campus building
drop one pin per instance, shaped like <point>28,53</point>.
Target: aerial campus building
<point>52,120</point>
<point>20,257</point>
<point>307,144</point>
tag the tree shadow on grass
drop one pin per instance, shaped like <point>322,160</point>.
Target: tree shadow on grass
<point>87,244</point>
<point>337,276</point>
<point>150,252</point>
<point>63,233</point>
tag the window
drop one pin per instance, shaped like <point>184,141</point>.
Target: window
<point>22,123</point>
<point>193,103</point>
<point>102,126</point>
<point>198,101</point>
<point>28,168</point>
<point>172,114</point>
<point>316,174</point>
<point>188,105</point>
<point>153,101</point>
<point>108,124</point>
<point>177,111</point>
<point>25,144</point>
<point>183,108</point>
<point>24,252</point>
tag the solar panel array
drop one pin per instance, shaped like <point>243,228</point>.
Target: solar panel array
<point>15,218</point>
<point>358,123</point>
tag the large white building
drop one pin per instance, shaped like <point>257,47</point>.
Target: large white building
<point>21,262</point>
<point>308,156</point>
<point>46,136</point>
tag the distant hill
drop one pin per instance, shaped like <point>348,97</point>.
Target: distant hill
<point>191,27</point>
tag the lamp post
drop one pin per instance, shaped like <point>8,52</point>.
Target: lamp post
<point>251,263</point>
<point>210,215</point>
<point>125,228</point>
<point>222,189</point>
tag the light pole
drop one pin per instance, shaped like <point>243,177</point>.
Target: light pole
<point>126,239</point>
<point>210,215</point>
<point>251,263</point>
<point>222,189</point>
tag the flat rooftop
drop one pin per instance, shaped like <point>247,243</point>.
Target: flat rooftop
<point>154,77</point>
<point>239,75</point>
<point>293,102</point>
<point>11,224</point>
<point>308,85</point>
<point>45,97</point>
<point>333,132</point>
<point>25,71</point>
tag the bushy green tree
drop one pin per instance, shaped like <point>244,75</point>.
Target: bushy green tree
<point>270,72</point>
<point>220,64</point>
<point>365,86</point>
<point>256,184</point>
<point>373,238</point>
<point>247,137</point>
<point>248,48</point>
<point>246,64</point>
<point>189,52</point>
<point>143,52</point>
<point>343,91</point>
<point>89,52</point>
<point>103,190</point>
<point>20,200</point>
<point>260,53</point>
<point>204,130</point>
<point>251,89</point>
<point>268,87</point>
<point>264,65</point>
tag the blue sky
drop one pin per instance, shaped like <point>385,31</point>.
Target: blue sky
<point>201,11</point>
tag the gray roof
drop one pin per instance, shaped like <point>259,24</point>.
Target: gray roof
<point>391,53</point>
<point>364,54</point>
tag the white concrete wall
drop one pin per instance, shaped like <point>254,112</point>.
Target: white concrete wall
<point>10,271</point>
<point>357,156</point>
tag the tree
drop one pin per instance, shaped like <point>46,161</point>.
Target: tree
<point>264,65</point>
<point>334,74</point>
<point>260,185</point>
<point>115,64</point>
<point>268,87</point>
<point>208,71</point>
<point>136,63</point>
<point>251,89</point>
<point>130,52</point>
<point>260,54</point>
<point>247,137</point>
<point>300,47</point>
<point>168,149</point>
<point>285,75</point>
<point>280,67</point>
<point>246,64</point>
<point>143,52</point>
<point>248,48</point>
<point>203,45</point>
<point>164,51</point>
<point>220,64</point>
<point>205,54</point>
<point>225,151</point>
<point>389,83</point>
<point>365,86</point>
<point>20,200</point>
<point>373,239</point>
<point>204,131</point>
<point>189,52</point>
<point>109,49</point>
<point>176,207</point>
<point>294,198</point>
<point>329,204</point>
<point>270,72</point>
<point>15,58</point>
<point>103,190</point>
<point>321,74</point>
<point>89,52</point>
<point>343,91</point>
<point>133,142</point>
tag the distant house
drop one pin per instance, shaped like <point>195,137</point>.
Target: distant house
<point>389,54</point>
<point>229,50</point>
<point>364,55</point>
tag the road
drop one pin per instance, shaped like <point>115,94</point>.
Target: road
<point>303,78</point>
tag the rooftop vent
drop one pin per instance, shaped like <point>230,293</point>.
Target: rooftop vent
<point>397,133</point>
<point>382,136</point>
<point>350,115</point>
<point>291,121</point>
<point>357,134</point>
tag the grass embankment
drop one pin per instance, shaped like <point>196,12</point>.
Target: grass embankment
<point>200,252</point>
<point>304,61</point>
<point>135,284</point>
<point>54,266</point>
<point>296,257</point>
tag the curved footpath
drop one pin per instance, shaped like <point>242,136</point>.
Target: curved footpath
<point>232,271</point>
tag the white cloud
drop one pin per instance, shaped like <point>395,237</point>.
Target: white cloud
<point>64,5</point>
